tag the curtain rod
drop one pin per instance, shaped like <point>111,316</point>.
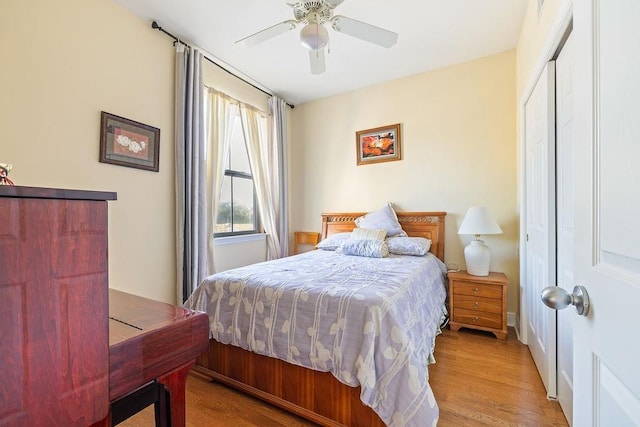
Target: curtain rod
<point>155,26</point>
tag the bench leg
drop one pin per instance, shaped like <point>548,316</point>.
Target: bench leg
<point>175,382</point>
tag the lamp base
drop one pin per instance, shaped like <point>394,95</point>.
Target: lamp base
<point>477,256</point>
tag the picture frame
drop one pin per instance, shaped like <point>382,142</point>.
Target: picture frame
<point>381,144</point>
<point>125,142</point>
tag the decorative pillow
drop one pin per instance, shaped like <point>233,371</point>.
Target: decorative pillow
<point>332,242</point>
<point>369,233</point>
<point>365,247</point>
<point>384,218</point>
<point>418,246</point>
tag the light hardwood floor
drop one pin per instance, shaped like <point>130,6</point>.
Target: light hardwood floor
<point>477,380</point>
<point>481,381</point>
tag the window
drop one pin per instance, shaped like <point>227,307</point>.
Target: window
<point>237,212</point>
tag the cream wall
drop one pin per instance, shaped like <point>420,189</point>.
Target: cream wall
<point>217,78</point>
<point>458,146</point>
<point>535,38</point>
<point>64,62</point>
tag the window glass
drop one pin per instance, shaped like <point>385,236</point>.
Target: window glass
<point>243,204</point>
<point>237,210</point>
<point>239,158</point>
<point>224,221</point>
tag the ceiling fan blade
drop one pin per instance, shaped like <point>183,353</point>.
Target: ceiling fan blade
<point>364,31</point>
<point>333,3</point>
<point>267,33</point>
<point>316,58</point>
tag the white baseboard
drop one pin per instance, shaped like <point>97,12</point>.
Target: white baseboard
<point>514,321</point>
<point>511,319</point>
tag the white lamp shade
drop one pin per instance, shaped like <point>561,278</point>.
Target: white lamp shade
<point>478,221</point>
<point>314,36</point>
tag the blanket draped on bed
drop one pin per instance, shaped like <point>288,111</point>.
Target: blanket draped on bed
<point>371,322</point>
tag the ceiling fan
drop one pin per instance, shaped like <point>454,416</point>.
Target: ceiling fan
<point>314,36</point>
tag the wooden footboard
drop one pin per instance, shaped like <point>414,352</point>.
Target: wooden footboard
<point>316,396</point>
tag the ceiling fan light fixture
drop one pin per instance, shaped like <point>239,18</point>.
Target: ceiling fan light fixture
<point>314,36</point>
<point>313,15</point>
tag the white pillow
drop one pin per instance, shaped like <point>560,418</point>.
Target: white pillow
<point>365,247</point>
<point>384,218</point>
<point>332,242</point>
<point>418,246</point>
<point>369,233</point>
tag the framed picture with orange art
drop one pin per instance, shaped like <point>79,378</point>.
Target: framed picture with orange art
<point>128,143</point>
<point>381,144</point>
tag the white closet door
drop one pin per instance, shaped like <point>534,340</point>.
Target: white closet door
<point>540,260</point>
<point>607,211</point>
<point>564,220</point>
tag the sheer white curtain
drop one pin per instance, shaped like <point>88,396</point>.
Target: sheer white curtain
<point>278,169</point>
<point>222,111</point>
<point>266,157</point>
<point>262,157</point>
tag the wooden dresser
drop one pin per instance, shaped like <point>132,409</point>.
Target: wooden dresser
<point>54,339</point>
<point>478,302</point>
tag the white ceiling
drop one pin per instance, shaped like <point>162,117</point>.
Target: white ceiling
<point>432,34</point>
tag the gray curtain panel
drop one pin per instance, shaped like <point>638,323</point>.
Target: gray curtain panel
<point>278,112</point>
<point>191,205</point>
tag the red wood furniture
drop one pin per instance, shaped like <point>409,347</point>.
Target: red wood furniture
<point>69,346</point>
<point>54,342</point>
<point>151,340</point>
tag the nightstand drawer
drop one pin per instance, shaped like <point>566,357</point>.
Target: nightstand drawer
<point>471,302</point>
<point>486,291</point>
<point>478,318</point>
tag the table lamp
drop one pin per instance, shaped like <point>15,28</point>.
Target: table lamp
<point>477,255</point>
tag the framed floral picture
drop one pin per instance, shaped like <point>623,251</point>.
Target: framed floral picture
<point>380,144</point>
<point>128,143</point>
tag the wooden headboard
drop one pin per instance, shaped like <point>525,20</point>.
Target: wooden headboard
<point>429,225</point>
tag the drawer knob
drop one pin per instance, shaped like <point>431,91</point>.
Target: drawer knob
<point>475,291</point>
<point>475,319</point>
<point>475,305</point>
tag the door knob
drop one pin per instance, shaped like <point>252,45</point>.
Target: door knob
<point>558,298</point>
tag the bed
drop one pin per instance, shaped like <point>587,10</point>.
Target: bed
<point>321,380</point>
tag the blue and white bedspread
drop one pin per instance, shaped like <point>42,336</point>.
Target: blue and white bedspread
<point>371,322</point>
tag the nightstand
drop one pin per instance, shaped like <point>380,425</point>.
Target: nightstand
<point>478,302</point>
<point>302,238</point>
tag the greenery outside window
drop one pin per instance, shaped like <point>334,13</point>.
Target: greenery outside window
<point>238,208</point>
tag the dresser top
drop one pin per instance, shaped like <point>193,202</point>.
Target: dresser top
<point>54,193</point>
<point>493,277</point>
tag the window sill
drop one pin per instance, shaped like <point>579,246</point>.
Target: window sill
<point>232,240</point>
